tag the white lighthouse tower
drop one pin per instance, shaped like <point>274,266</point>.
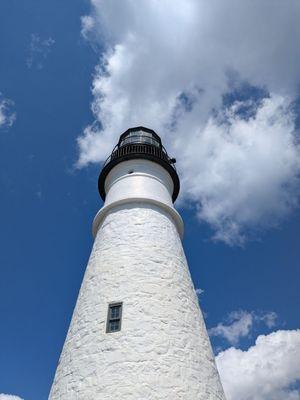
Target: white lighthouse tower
<point>137,332</point>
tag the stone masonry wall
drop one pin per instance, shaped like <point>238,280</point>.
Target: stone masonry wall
<point>163,351</point>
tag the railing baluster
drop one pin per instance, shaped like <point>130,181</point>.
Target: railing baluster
<point>139,148</point>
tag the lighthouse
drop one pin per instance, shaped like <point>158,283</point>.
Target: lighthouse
<point>137,332</point>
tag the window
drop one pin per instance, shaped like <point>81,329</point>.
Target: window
<point>114,317</point>
<point>139,137</point>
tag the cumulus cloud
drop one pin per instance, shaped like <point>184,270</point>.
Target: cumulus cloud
<point>239,324</point>
<point>9,397</point>
<point>269,370</point>
<point>38,51</point>
<point>218,81</point>
<point>7,116</point>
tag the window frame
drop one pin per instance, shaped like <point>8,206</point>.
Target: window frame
<point>110,319</point>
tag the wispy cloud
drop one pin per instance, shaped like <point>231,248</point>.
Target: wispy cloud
<point>88,24</point>
<point>269,370</point>
<point>239,324</point>
<point>218,84</point>
<point>9,397</point>
<point>199,291</point>
<point>38,51</point>
<point>7,115</point>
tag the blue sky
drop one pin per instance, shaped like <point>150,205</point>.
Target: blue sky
<point>47,202</point>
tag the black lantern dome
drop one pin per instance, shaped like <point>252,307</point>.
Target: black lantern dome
<point>137,143</point>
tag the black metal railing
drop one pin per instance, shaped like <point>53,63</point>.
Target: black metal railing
<point>142,149</point>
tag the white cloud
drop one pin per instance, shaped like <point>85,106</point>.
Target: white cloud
<point>199,291</point>
<point>7,117</point>
<point>239,324</point>
<point>88,23</point>
<point>169,64</point>
<point>269,319</point>
<point>39,50</point>
<point>268,370</point>
<point>9,397</point>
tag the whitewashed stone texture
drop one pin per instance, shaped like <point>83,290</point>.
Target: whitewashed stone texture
<point>162,351</point>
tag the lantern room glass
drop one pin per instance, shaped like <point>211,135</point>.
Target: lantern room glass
<point>140,137</point>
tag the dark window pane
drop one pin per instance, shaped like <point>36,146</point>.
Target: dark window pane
<point>114,326</point>
<point>115,311</point>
